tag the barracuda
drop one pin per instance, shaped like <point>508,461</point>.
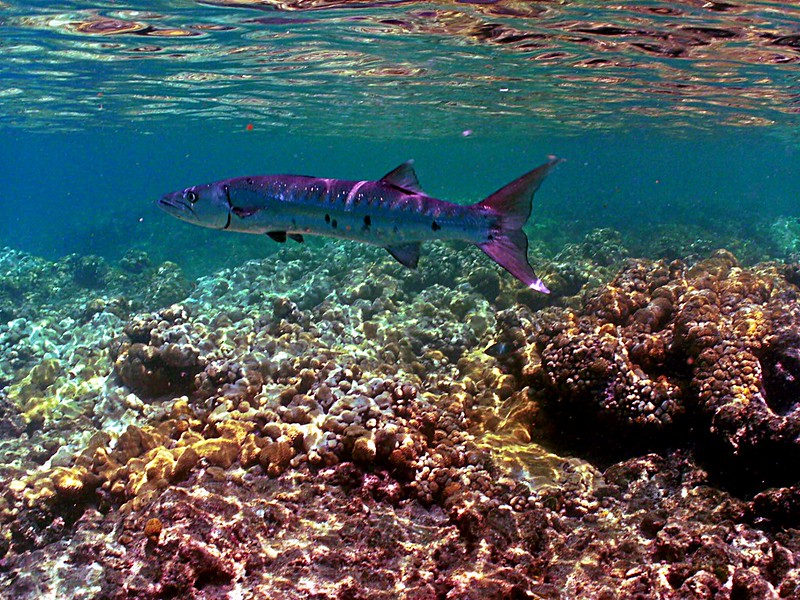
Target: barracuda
<point>392,212</point>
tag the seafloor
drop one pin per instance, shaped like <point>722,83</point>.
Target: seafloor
<point>327,424</point>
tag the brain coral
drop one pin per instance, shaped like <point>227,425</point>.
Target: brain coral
<point>713,346</point>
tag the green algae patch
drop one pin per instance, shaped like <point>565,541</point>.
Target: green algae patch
<point>38,380</point>
<point>31,394</point>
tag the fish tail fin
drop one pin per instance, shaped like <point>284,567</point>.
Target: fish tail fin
<point>507,244</point>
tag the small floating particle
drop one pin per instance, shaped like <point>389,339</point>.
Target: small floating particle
<point>249,127</point>
<point>466,133</point>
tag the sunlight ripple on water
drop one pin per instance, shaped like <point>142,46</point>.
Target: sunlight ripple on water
<point>354,64</point>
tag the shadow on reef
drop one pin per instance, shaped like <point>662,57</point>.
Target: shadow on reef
<point>705,356</point>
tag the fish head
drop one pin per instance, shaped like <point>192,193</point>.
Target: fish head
<point>206,205</point>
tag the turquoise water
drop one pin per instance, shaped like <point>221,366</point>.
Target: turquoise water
<point>325,422</point>
<point>667,113</point>
<point>93,192</point>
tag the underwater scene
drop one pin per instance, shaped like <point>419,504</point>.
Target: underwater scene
<point>249,350</point>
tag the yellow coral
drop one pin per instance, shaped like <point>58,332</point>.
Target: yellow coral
<point>69,483</point>
<point>235,430</point>
<point>189,438</point>
<point>221,452</point>
<point>364,450</point>
<point>250,451</point>
<point>275,457</point>
<point>185,460</point>
<point>160,465</point>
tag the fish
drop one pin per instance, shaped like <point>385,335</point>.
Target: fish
<point>392,212</point>
<point>502,349</point>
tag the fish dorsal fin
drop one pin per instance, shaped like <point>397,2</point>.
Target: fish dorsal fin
<point>404,177</point>
<point>278,236</point>
<point>406,254</point>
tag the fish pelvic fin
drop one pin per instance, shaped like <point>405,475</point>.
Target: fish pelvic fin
<point>406,254</point>
<point>507,244</point>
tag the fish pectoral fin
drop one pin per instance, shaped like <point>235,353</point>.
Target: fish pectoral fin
<point>278,236</point>
<point>404,177</point>
<point>296,237</point>
<point>406,254</point>
<point>245,211</point>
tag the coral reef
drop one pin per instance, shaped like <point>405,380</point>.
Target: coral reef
<point>576,268</point>
<point>135,261</point>
<point>339,432</point>
<point>88,271</point>
<point>55,354</point>
<point>711,346</point>
<point>691,242</point>
<point>167,285</point>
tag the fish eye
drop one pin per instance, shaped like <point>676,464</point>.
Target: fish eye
<point>191,196</point>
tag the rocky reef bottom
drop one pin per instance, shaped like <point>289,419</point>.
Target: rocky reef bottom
<point>347,428</point>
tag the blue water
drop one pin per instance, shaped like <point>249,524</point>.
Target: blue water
<point>93,192</point>
<point>101,118</point>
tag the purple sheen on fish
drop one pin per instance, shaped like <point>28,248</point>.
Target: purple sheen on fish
<point>392,212</point>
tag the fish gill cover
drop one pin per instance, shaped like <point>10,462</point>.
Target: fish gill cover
<point>190,414</point>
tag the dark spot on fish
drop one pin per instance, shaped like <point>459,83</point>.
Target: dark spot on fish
<point>244,211</point>
<point>249,181</point>
<point>435,226</point>
<point>327,218</point>
<point>367,222</point>
<point>491,237</point>
<point>230,205</point>
<point>334,224</point>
